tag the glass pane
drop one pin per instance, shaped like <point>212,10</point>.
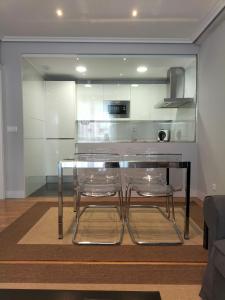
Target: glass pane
<point>119,104</point>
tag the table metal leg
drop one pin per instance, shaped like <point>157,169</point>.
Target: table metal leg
<point>75,192</point>
<point>60,201</point>
<point>187,201</point>
<point>167,176</point>
<point>205,236</point>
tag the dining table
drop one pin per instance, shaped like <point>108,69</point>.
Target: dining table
<point>164,161</point>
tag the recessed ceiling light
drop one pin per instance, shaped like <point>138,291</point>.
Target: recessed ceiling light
<point>77,58</point>
<point>81,69</point>
<point>124,59</point>
<point>134,85</point>
<point>59,12</point>
<point>142,69</point>
<point>88,85</point>
<point>121,74</point>
<point>134,13</point>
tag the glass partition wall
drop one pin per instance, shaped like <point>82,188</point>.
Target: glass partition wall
<point>98,98</point>
<point>136,98</point>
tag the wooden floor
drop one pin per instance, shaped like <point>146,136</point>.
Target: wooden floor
<point>11,209</point>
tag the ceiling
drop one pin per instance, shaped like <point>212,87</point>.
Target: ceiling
<point>157,20</point>
<point>106,66</point>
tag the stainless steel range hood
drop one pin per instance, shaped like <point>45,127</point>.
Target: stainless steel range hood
<point>175,90</point>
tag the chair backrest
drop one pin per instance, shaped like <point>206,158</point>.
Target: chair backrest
<point>156,175</point>
<point>109,173</point>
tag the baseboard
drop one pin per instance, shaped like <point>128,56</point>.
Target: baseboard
<point>15,194</point>
<point>182,194</point>
<point>54,179</point>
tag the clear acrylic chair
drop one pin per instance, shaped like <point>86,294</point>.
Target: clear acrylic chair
<point>94,181</point>
<point>150,182</point>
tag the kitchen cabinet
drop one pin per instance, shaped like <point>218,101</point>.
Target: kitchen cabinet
<point>116,92</point>
<point>57,150</point>
<point>60,109</point>
<point>89,102</point>
<point>145,120</point>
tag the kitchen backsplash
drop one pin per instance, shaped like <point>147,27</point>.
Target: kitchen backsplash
<point>134,131</point>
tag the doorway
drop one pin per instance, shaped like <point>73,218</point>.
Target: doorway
<point>80,99</point>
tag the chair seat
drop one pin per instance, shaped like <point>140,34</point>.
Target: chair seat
<point>152,189</point>
<point>98,190</point>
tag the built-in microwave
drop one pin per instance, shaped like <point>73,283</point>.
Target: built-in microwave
<point>117,109</point>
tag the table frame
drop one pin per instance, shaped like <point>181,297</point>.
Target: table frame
<point>123,164</point>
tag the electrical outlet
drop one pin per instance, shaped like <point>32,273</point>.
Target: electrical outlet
<point>214,187</point>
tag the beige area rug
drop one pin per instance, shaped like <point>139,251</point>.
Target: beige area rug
<point>61,262</point>
<point>33,237</point>
<point>101,224</point>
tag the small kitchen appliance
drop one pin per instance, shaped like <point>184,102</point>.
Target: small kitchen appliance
<point>117,109</point>
<point>163,135</point>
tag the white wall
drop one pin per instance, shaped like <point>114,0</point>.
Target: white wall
<point>12,97</point>
<point>211,116</point>
<point>34,128</point>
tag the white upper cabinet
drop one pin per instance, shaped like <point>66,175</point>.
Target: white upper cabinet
<point>143,99</point>
<point>90,102</point>
<point>60,109</point>
<point>116,92</point>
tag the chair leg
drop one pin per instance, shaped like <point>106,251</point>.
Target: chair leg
<point>128,203</point>
<point>126,206</point>
<point>75,200</point>
<point>205,236</point>
<point>78,196</point>
<point>167,216</point>
<point>120,194</point>
<point>80,212</point>
<point>75,191</point>
<point>168,207</point>
<point>173,210</point>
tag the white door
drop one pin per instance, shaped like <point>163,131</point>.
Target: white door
<point>2,191</point>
